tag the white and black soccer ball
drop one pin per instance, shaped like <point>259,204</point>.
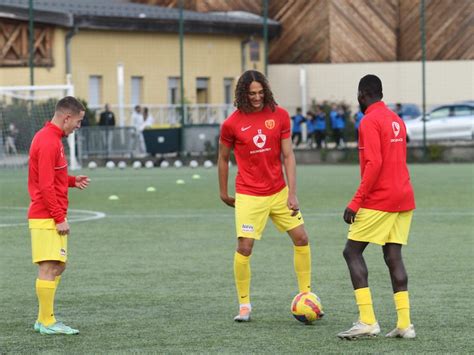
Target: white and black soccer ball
<point>164,164</point>
<point>122,165</point>
<point>193,164</point>
<point>137,164</point>
<point>92,165</point>
<point>178,164</point>
<point>149,164</point>
<point>110,164</point>
<point>208,164</point>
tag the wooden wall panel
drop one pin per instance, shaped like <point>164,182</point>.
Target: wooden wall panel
<point>343,31</point>
<point>363,30</point>
<point>449,29</point>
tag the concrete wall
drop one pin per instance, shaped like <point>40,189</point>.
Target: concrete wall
<point>446,81</point>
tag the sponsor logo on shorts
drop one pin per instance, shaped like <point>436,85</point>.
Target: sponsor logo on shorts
<point>62,252</point>
<point>247,228</point>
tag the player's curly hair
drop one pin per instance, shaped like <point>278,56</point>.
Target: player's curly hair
<point>242,101</point>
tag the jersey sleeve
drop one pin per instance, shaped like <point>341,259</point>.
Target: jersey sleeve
<point>370,135</point>
<point>285,125</point>
<point>46,163</point>
<point>71,181</point>
<point>227,136</point>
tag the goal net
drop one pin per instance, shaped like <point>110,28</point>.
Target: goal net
<point>23,111</point>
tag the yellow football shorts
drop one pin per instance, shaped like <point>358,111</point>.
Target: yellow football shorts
<point>380,227</point>
<point>252,212</point>
<point>46,243</point>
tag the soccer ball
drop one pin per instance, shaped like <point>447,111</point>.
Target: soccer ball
<point>137,164</point>
<point>122,164</point>
<point>149,164</point>
<point>193,164</point>
<point>306,307</point>
<point>178,164</point>
<point>208,164</point>
<point>110,164</point>
<point>164,164</point>
<point>92,165</point>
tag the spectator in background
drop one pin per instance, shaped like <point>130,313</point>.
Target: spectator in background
<point>107,119</point>
<point>320,127</point>
<point>399,110</point>
<point>138,123</point>
<point>310,121</point>
<point>357,118</point>
<point>297,119</point>
<point>338,124</point>
<point>148,119</point>
<point>10,141</point>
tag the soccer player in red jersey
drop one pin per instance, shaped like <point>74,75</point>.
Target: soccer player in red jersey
<point>380,211</point>
<point>48,183</point>
<point>259,133</point>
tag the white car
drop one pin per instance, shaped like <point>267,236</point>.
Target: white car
<point>447,122</point>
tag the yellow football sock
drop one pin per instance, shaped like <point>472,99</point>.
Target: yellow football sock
<point>302,260</point>
<point>57,280</point>
<point>242,277</point>
<point>364,302</point>
<point>45,291</point>
<point>402,304</point>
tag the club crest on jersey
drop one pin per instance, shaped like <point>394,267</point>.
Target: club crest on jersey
<point>396,128</point>
<point>270,124</point>
<point>260,139</point>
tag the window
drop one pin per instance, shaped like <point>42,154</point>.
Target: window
<point>254,48</point>
<point>228,89</point>
<point>137,90</point>
<point>95,90</point>
<point>202,90</point>
<point>463,111</point>
<point>174,90</point>
<point>442,112</point>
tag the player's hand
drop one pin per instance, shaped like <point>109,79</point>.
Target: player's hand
<point>293,204</point>
<point>63,228</point>
<point>82,181</point>
<point>228,200</point>
<point>349,216</point>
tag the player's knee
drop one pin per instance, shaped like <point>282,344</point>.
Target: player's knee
<point>301,240</point>
<point>244,250</point>
<point>347,253</point>
<point>60,267</point>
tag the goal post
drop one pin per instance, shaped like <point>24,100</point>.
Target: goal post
<point>23,111</point>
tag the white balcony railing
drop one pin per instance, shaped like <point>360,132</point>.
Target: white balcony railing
<point>171,114</point>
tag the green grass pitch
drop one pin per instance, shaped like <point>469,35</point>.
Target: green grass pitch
<point>155,275</point>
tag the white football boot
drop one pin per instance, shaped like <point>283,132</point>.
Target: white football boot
<point>360,330</point>
<point>407,333</point>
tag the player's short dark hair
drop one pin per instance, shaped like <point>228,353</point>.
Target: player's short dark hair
<point>71,104</point>
<point>242,101</point>
<point>371,86</point>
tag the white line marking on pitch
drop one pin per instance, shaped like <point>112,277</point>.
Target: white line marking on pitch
<point>90,216</point>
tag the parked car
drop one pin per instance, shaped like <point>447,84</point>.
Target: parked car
<point>409,111</point>
<point>446,122</point>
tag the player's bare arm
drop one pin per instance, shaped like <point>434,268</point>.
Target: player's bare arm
<point>289,163</point>
<point>223,170</point>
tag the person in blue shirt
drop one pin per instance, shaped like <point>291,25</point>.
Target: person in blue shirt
<point>310,121</point>
<point>297,119</point>
<point>357,118</point>
<point>399,110</point>
<point>320,127</point>
<point>338,124</point>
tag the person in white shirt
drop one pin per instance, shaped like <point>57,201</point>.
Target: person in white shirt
<point>138,123</point>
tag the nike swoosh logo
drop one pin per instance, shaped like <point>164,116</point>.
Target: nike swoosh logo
<point>243,129</point>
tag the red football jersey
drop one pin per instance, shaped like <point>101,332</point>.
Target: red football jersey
<point>385,184</point>
<point>48,180</point>
<point>256,140</point>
